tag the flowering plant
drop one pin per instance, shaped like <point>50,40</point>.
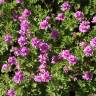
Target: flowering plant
<point>47,48</point>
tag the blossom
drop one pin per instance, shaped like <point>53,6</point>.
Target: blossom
<point>35,42</point>
<point>87,75</point>
<point>43,58</point>
<point>11,92</point>
<point>42,67</point>
<point>84,26</point>
<point>54,34</point>
<point>65,6</point>
<point>12,60</point>
<point>44,47</point>
<point>4,67</point>
<point>2,1</point>
<point>43,77</point>
<point>54,59</point>
<point>88,51</point>
<point>93,42</point>
<point>24,25</point>
<point>44,24</point>
<point>24,51</point>
<point>94,20</point>
<point>60,17</point>
<point>19,1</point>
<point>7,38</point>
<point>72,59</point>
<point>64,54</point>
<point>26,13</point>
<point>22,41</point>
<point>18,77</point>
<point>47,18</point>
<point>79,15</point>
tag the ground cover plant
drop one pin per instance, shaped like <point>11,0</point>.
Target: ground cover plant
<point>47,47</point>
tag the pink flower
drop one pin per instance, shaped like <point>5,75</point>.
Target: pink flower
<point>54,34</point>
<point>4,67</point>
<point>26,13</point>
<point>88,51</point>
<point>54,59</point>
<point>94,20</point>
<point>65,6</point>
<point>93,42</point>
<point>19,1</point>
<point>11,92</point>
<point>2,1</point>
<point>87,75</point>
<point>64,54</point>
<point>8,38</point>
<point>84,26</point>
<point>72,59</point>
<point>44,24</point>
<point>60,17</point>
<point>18,77</point>
<point>79,15</point>
<point>43,77</point>
<point>12,60</point>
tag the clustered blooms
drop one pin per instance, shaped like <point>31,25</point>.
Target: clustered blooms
<point>44,24</point>
<point>84,26</point>
<point>88,51</point>
<point>18,77</point>
<point>65,6</point>
<point>11,92</point>
<point>60,17</point>
<point>43,74</point>
<point>19,1</point>
<point>94,20</point>
<point>79,15</point>
<point>87,75</point>
<point>8,38</point>
<point>65,54</point>
<point>2,1</point>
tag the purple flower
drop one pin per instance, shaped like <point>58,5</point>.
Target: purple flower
<point>35,42</point>
<point>47,18</point>
<point>44,24</point>
<point>43,58</point>
<point>93,42</point>
<point>42,68</point>
<point>79,15</point>
<point>54,59</point>
<point>64,54</point>
<point>11,92</point>
<point>24,25</point>
<point>94,20</point>
<point>2,1</point>
<point>43,77</point>
<point>22,41</point>
<point>21,18</point>
<point>22,33</point>
<point>26,13</point>
<point>54,34</point>
<point>4,67</point>
<point>12,60</point>
<point>24,51</point>
<point>19,1</point>
<point>60,17</point>
<point>88,51</point>
<point>44,47</point>
<point>84,26</point>
<point>18,77</point>
<point>65,6</point>
<point>7,38</point>
<point>72,59</point>
<point>87,75</point>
